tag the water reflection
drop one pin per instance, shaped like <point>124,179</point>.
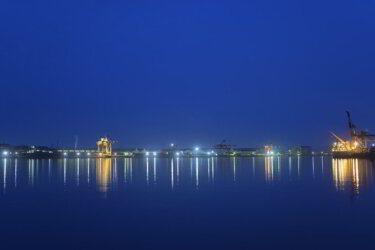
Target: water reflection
<point>313,165</point>
<point>178,170</point>
<point>77,168</point>
<point>234,169</point>
<point>212,170</point>
<point>126,170</point>
<point>88,171</point>
<point>196,173</point>
<point>147,166</point>
<point>298,163</point>
<point>172,180</point>
<point>65,171</point>
<point>155,170</point>
<point>106,175</point>
<point>115,173</point>
<point>31,171</point>
<point>351,173</point>
<point>15,172</point>
<point>268,168</point>
<point>5,174</point>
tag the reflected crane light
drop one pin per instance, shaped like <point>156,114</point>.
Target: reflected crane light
<point>154,153</point>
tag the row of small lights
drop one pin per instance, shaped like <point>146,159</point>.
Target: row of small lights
<point>88,154</point>
<point>179,153</point>
<point>78,154</point>
<point>6,153</point>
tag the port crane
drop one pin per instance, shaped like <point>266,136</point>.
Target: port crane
<point>105,146</point>
<point>359,139</point>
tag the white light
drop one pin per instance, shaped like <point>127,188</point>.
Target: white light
<point>172,145</point>
<point>196,149</point>
<point>88,154</point>
<point>5,153</point>
<point>147,153</point>
<point>78,154</point>
<point>154,153</point>
<point>208,153</point>
<point>65,153</point>
<point>16,153</point>
<point>178,153</point>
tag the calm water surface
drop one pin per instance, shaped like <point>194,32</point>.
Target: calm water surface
<point>190,203</point>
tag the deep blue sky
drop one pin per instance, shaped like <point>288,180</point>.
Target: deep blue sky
<point>193,72</point>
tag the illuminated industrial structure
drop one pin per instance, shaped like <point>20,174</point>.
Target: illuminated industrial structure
<point>358,143</point>
<point>104,147</point>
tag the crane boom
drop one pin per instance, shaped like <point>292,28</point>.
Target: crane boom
<point>338,138</point>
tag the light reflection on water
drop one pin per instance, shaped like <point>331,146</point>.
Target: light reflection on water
<point>351,173</point>
<point>107,175</point>
<point>103,174</point>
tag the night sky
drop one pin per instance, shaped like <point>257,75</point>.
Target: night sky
<point>148,73</point>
